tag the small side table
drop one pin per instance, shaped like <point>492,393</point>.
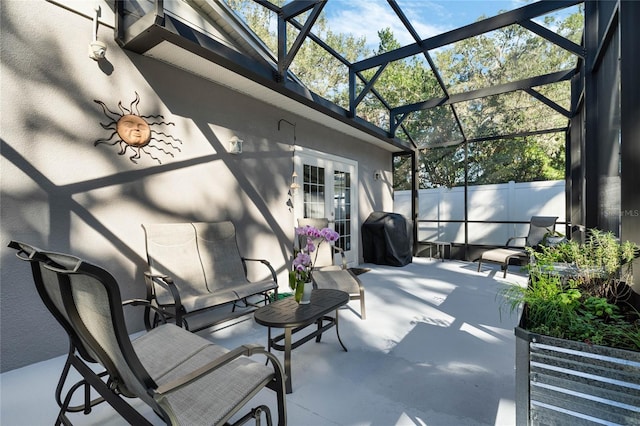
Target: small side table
<point>287,314</point>
<point>440,246</point>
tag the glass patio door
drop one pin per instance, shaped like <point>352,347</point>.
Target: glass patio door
<point>328,189</point>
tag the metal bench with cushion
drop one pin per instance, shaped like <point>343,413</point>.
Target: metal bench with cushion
<point>195,267</point>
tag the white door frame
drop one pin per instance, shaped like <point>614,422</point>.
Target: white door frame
<point>329,162</point>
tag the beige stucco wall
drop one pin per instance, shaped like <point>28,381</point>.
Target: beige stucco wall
<point>62,193</point>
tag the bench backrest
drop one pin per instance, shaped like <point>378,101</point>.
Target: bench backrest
<point>219,254</point>
<point>172,250</point>
<point>200,257</point>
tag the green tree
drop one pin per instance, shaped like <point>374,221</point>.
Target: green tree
<point>504,55</point>
<point>508,54</point>
<point>320,71</point>
<point>402,82</point>
<point>402,173</point>
<point>316,68</point>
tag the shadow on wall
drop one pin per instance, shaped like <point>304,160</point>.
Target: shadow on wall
<point>72,196</point>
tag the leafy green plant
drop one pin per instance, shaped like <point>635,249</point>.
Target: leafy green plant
<point>599,264</point>
<point>574,292</point>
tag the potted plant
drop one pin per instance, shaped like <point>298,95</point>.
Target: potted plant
<point>301,274</point>
<point>578,340</point>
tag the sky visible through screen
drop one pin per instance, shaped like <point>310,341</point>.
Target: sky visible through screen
<point>429,17</point>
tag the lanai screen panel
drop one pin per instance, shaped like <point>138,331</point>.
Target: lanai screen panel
<point>262,21</point>
<point>434,127</point>
<point>508,113</point>
<point>404,82</point>
<point>311,66</point>
<point>498,57</point>
<point>347,18</point>
<point>374,111</point>
<point>414,9</point>
<point>345,33</point>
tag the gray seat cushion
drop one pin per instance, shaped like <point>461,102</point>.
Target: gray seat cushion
<point>184,352</point>
<point>337,280</point>
<point>193,303</point>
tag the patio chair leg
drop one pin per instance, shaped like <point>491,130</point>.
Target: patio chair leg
<point>88,402</point>
<point>64,408</point>
<point>256,414</point>
<point>116,401</point>
<point>63,377</point>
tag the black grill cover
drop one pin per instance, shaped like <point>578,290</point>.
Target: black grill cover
<point>387,239</point>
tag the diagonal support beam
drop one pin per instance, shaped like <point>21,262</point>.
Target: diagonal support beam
<point>515,16</point>
<point>342,60</point>
<point>554,38</point>
<point>353,103</point>
<point>436,72</point>
<point>288,12</point>
<point>396,121</point>
<point>488,91</point>
<point>548,102</point>
<point>416,38</point>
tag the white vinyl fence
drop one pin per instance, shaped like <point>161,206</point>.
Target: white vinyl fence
<point>491,203</point>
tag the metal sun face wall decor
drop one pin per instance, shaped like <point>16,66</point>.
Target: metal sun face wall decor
<point>132,131</point>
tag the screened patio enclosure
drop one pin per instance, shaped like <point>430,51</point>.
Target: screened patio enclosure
<point>537,78</point>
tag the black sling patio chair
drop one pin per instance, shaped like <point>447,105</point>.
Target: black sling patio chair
<point>52,300</point>
<point>183,377</point>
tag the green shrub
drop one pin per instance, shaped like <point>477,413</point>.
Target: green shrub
<point>575,292</point>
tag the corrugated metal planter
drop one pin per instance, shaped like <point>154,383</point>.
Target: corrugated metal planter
<point>564,382</point>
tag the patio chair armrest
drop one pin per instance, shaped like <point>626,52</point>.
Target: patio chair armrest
<point>162,280</point>
<point>266,263</point>
<point>244,350</point>
<point>516,238</point>
<point>147,304</point>
<point>152,275</point>
<point>343,259</point>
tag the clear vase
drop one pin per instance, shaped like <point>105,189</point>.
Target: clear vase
<point>305,297</point>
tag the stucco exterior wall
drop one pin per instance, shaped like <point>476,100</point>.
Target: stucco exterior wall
<point>63,193</point>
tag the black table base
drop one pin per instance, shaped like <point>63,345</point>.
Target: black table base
<point>293,318</point>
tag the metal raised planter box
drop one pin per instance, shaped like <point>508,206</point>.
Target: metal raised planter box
<point>564,382</point>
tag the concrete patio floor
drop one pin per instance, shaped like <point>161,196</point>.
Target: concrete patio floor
<point>434,350</point>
